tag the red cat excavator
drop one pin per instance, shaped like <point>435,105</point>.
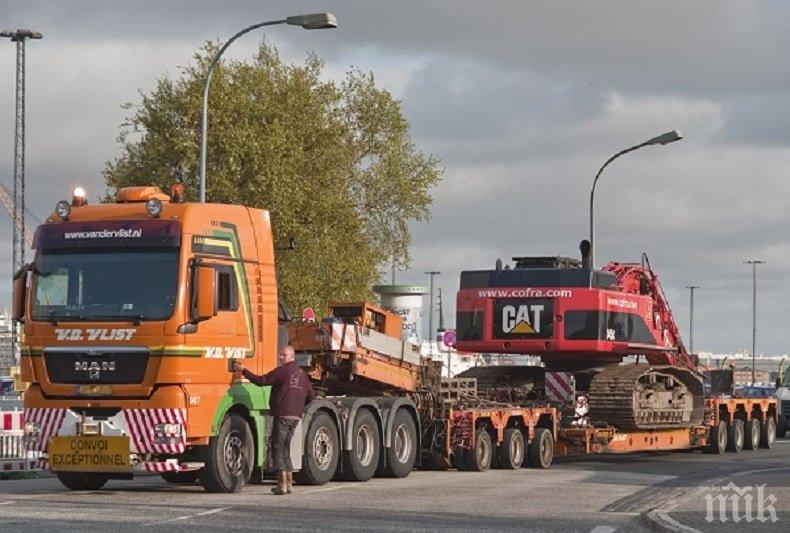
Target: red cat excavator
<point>585,321</point>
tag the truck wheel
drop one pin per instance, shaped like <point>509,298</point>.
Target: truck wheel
<point>717,439</point>
<point>768,433</point>
<point>188,477</point>
<point>735,436</point>
<point>228,457</point>
<point>321,451</point>
<point>362,460</point>
<point>511,451</point>
<point>403,448</point>
<point>82,481</point>
<point>781,431</point>
<point>751,434</point>
<point>479,458</point>
<point>541,450</point>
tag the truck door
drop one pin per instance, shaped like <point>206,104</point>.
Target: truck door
<point>226,334</point>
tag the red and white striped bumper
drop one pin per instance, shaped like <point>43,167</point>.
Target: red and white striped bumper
<point>152,433</point>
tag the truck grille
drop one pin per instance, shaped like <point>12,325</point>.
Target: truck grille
<point>96,365</point>
<point>785,407</point>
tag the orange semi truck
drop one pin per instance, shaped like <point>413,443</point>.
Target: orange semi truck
<point>132,310</point>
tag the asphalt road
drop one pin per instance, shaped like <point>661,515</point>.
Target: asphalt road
<point>637,492</point>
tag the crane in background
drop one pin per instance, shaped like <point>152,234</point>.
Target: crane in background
<point>8,204</point>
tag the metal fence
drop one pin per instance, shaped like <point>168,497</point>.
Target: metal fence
<point>13,456</point>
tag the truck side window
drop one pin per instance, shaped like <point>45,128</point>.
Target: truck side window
<point>227,294</point>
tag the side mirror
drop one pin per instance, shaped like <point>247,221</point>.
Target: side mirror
<point>19,294</point>
<point>205,289</point>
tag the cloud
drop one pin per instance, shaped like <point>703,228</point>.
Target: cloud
<point>521,101</point>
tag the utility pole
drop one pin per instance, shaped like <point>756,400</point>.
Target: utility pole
<point>440,307</point>
<point>754,263</point>
<point>18,260</point>
<point>691,289</point>
<point>431,332</point>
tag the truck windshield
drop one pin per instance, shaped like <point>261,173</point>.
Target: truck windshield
<point>102,285</point>
<point>786,378</point>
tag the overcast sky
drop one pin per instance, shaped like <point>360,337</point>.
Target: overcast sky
<point>522,102</point>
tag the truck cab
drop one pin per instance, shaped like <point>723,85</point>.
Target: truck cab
<point>131,310</point>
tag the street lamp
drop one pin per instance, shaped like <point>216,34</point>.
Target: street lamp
<point>315,21</point>
<point>18,243</point>
<point>431,332</point>
<point>664,138</point>
<point>691,288</point>
<point>754,263</point>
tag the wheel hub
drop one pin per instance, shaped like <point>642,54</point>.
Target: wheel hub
<point>322,448</point>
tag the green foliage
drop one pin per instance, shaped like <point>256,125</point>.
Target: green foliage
<point>332,161</point>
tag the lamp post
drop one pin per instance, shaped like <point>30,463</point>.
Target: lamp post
<point>18,243</point>
<point>664,138</point>
<point>315,21</point>
<point>754,263</point>
<point>691,289</point>
<point>431,332</point>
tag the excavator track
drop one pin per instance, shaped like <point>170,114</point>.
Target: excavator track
<point>640,396</point>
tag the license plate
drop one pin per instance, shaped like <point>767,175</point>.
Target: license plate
<point>89,454</point>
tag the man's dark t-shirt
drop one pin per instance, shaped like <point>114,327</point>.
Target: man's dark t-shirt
<point>291,389</point>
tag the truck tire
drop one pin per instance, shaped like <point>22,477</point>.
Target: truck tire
<point>321,451</point>
<point>187,478</point>
<point>402,452</point>
<point>540,451</point>
<point>781,431</point>
<point>82,481</point>
<point>751,434</point>
<point>735,436</point>
<point>768,433</point>
<point>229,456</point>
<point>361,462</point>
<point>717,439</point>
<point>478,459</point>
<point>511,451</point>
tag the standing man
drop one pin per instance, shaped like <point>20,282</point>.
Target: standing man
<point>291,392</point>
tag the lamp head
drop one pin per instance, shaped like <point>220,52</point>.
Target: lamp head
<point>666,138</point>
<point>313,21</point>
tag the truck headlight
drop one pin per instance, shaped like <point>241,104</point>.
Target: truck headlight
<point>32,429</point>
<point>166,433</point>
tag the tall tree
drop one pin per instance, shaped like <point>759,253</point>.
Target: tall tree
<point>332,161</point>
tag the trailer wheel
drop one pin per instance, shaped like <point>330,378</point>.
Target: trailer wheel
<point>361,461</point>
<point>735,436</point>
<point>751,434</point>
<point>402,452</point>
<point>321,451</point>
<point>188,477</point>
<point>540,451</point>
<point>717,439</point>
<point>229,456</point>
<point>478,459</point>
<point>768,433</point>
<point>511,451</point>
<point>82,481</point>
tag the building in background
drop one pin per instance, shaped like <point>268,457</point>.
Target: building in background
<point>406,300</point>
<point>6,353</point>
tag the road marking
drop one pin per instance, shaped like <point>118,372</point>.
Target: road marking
<point>603,529</point>
<point>328,489</point>
<point>187,517</point>
<point>7,503</point>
